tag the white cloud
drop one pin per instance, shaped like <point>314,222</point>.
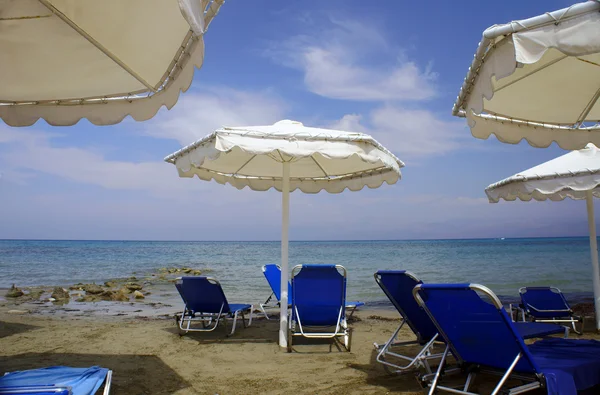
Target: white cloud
<point>408,132</point>
<point>199,114</point>
<point>343,62</point>
<point>195,116</point>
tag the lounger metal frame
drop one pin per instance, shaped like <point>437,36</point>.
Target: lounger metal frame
<point>268,304</point>
<point>527,308</point>
<point>535,380</point>
<point>341,327</point>
<point>423,356</point>
<point>210,321</point>
<point>32,389</point>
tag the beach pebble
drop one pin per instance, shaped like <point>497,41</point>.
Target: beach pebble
<point>51,299</point>
<point>18,311</point>
<point>138,295</point>
<point>110,284</point>
<point>14,292</point>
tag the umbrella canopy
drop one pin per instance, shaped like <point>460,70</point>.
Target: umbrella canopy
<point>288,156</point>
<point>64,60</point>
<point>575,175</point>
<point>537,79</point>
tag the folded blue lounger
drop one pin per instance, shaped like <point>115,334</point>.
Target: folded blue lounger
<point>205,303</point>
<point>272,273</point>
<point>482,337</point>
<point>318,303</point>
<point>56,380</point>
<point>398,286</point>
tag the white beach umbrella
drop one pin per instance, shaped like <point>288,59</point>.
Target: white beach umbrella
<point>537,79</point>
<point>63,60</point>
<point>288,156</point>
<point>575,175</point>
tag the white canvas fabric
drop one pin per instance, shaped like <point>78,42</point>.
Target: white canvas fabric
<point>570,175</point>
<point>63,60</point>
<point>539,79</point>
<point>320,159</point>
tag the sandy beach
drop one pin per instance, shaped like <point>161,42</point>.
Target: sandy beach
<point>147,355</point>
<point>137,338</point>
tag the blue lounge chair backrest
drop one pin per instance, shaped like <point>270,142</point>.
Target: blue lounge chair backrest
<point>398,286</point>
<point>478,332</point>
<point>202,294</point>
<point>319,294</point>
<point>81,380</point>
<point>535,299</point>
<point>272,273</point>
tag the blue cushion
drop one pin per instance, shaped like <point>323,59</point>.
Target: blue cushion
<point>83,381</point>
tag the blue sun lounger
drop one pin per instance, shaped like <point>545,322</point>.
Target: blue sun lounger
<point>397,286</point>
<point>483,338</point>
<point>205,303</point>
<point>272,273</point>
<point>547,304</point>
<point>56,380</point>
<point>318,304</point>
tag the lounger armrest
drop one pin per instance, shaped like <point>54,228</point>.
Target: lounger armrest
<point>528,306</point>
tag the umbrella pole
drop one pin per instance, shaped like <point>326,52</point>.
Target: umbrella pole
<point>285,217</point>
<point>589,199</point>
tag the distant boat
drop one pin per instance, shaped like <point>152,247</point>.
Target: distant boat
<point>502,238</point>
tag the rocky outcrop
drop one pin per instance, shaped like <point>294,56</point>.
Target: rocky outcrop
<point>133,286</point>
<point>14,292</point>
<point>180,270</point>
<point>59,293</point>
<point>92,289</point>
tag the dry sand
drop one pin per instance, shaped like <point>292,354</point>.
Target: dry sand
<point>148,356</point>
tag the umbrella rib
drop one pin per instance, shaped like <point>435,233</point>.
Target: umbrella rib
<point>244,165</point>
<point>587,109</point>
<point>320,167</point>
<point>97,44</point>
<point>532,72</point>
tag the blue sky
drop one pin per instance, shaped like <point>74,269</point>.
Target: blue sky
<point>388,68</point>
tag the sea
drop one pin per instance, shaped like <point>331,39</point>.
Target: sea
<point>503,265</point>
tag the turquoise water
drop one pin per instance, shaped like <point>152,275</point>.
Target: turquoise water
<point>502,265</point>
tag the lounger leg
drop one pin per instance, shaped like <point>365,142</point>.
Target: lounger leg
<point>470,379</point>
<point>351,313</point>
<point>107,383</point>
<point>235,317</point>
<point>438,371</point>
<point>390,341</point>
<point>506,375</point>
<point>575,329</point>
<point>262,308</point>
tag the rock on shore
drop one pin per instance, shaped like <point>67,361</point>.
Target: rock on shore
<point>14,292</point>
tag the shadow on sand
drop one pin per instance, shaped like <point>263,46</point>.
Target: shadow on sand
<point>261,331</point>
<point>132,374</point>
<point>401,383</point>
<point>10,328</point>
